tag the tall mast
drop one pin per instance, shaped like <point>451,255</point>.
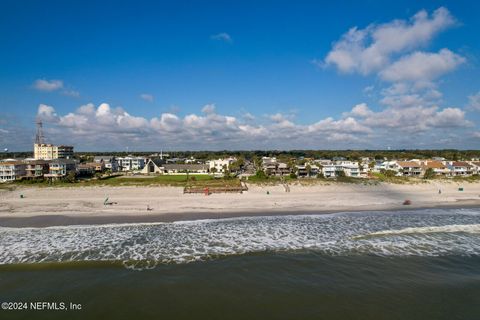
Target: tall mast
<point>39,137</point>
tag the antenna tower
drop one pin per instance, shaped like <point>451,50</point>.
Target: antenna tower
<point>39,137</point>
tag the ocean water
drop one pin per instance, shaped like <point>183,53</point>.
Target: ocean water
<point>421,264</point>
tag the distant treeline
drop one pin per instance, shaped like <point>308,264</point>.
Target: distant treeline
<point>449,154</point>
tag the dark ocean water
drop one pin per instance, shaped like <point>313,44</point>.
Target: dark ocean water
<point>377,265</point>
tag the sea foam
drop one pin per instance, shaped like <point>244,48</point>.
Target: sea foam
<point>424,233</point>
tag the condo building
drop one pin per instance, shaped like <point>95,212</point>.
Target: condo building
<point>45,151</point>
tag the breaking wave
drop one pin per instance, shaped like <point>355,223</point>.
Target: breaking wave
<point>466,228</point>
<point>143,246</point>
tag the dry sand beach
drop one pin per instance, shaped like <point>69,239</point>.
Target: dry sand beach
<point>59,206</point>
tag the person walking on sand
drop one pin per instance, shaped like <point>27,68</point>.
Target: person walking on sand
<point>439,191</point>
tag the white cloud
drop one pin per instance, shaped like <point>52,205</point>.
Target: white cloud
<point>422,66</point>
<point>47,85</point>
<point>343,126</point>
<point>410,120</point>
<point>208,108</point>
<point>476,134</point>
<point>474,101</point>
<point>278,117</point>
<point>207,130</point>
<point>368,90</point>
<point>88,108</point>
<point>147,97</point>
<point>223,36</point>
<point>359,110</point>
<point>46,112</point>
<point>248,116</point>
<point>449,118</point>
<point>71,93</point>
<point>391,51</point>
<point>114,128</point>
<point>371,49</point>
<point>54,85</point>
<point>167,122</point>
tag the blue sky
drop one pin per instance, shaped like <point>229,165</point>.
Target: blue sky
<point>240,75</point>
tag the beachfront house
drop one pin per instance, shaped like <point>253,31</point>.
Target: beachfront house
<point>269,164</point>
<point>409,168</point>
<point>307,170</point>
<point>36,169</point>
<point>475,167</point>
<point>381,165</point>
<point>84,169</point>
<point>329,170</point>
<point>460,168</point>
<point>60,168</point>
<point>332,169</point>
<point>12,170</point>
<point>131,163</point>
<point>272,167</point>
<point>350,168</point>
<point>438,167</point>
<point>110,162</point>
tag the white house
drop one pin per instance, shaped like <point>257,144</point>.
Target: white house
<point>475,167</point>
<point>131,163</point>
<point>459,168</point>
<point>329,171</point>
<point>385,165</point>
<point>12,170</point>
<point>220,164</point>
<point>349,168</point>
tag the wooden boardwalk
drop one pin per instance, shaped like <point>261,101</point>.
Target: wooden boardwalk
<point>215,189</point>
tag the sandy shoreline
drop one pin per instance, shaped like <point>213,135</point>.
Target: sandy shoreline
<point>66,206</point>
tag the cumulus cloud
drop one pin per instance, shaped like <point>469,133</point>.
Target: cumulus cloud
<point>474,101</point>
<point>105,126</point>
<point>47,85</point>
<point>371,49</point>
<point>147,97</point>
<point>47,113</point>
<point>413,119</point>
<point>223,36</point>
<point>208,130</point>
<point>359,110</point>
<point>422,66</point>
<point>408,92</point>
<point>208,108</point>
<point>341,126</point>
